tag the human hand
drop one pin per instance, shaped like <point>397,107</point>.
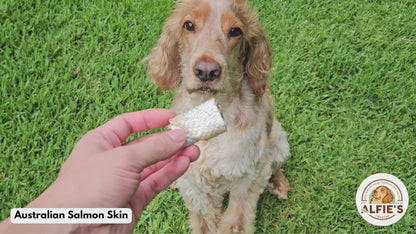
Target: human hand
<point>102,172</point>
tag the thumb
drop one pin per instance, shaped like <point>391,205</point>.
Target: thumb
<point>155,148</point>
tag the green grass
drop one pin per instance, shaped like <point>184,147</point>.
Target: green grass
<point>343,83</point>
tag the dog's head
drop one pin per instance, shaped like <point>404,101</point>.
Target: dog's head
<point>383,193</point>
<point>210,47</point>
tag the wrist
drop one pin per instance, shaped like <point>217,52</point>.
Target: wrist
<point>55,196</point>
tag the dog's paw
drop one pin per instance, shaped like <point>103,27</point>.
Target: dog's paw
<point>279,185</point>
<point>173,185</point>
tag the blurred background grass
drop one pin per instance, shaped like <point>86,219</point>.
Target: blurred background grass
<point>343,83</point>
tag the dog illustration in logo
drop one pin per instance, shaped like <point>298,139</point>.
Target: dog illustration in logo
<point>381,195</point>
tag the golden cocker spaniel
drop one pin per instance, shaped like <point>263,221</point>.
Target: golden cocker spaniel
<point>381,195</point>
<point>217,48</point>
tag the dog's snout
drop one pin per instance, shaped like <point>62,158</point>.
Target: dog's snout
<point>207,70</point>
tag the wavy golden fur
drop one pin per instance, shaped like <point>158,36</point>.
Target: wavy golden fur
<point>164,61</point>
<point>217,48</point>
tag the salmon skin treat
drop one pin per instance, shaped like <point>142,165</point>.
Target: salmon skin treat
<point>203,122</point>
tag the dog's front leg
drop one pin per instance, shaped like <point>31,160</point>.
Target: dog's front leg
<point>204,223</point>
<point>204,210</point>
<point>241,212</point>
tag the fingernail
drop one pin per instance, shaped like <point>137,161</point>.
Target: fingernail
<point>177,135</point>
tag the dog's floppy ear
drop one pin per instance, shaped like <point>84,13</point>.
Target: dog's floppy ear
<point>388,198</point>
<point>258,56</point>
<point>163,61</point>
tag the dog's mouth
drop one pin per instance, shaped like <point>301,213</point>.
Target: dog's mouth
<point>204,90</point>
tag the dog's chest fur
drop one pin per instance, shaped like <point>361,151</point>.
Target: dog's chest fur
<point>237,155</point>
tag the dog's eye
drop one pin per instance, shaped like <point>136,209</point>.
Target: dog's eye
<point>189,26</point>
<point>235,32</point>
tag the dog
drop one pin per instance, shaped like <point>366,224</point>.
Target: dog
<point>218,48</point>
<point>381,195</point>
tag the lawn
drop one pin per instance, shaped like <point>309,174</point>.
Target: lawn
<point>343,82</point>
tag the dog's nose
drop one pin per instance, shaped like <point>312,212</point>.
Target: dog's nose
<point>207,70</point>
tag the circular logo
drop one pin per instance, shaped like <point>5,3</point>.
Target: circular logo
<point>382,199</point>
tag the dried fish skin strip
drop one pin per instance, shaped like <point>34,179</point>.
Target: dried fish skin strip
<point>200,123</point>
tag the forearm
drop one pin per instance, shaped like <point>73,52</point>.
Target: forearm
<point>50,198</point>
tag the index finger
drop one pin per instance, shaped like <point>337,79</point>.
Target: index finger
<point>118,129</point>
